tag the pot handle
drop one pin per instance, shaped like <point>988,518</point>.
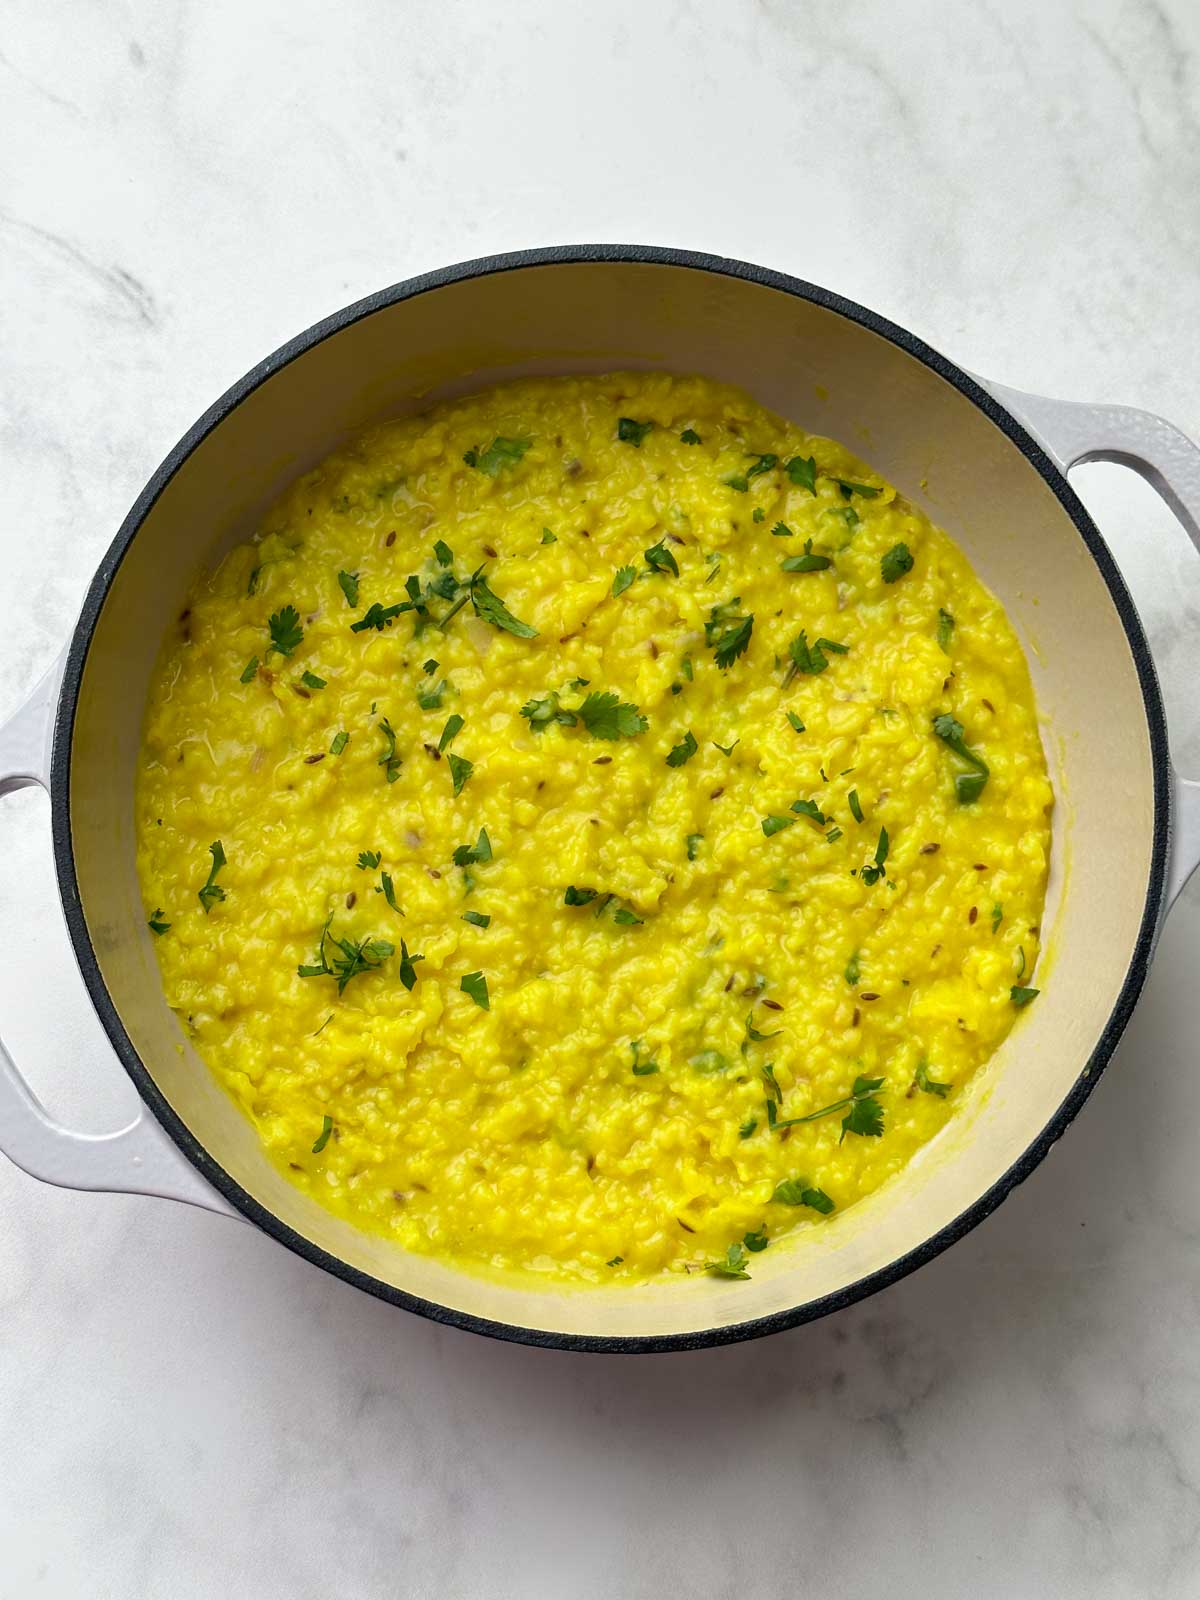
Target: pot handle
<point>1071,433</point>
<point>136,1159</point>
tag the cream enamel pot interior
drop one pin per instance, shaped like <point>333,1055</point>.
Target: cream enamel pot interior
<point>986,463</point>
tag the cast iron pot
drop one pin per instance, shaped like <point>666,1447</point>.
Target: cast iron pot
<point>985,462</point>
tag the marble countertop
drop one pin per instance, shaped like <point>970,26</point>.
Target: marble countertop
<point>185,1408</point>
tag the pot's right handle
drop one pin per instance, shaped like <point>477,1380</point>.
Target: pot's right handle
<point>136,1159</point>
<point>1070,433</point>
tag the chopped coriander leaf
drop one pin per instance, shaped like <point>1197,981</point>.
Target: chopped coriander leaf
<point>429,667</point>
<point>855,804</point>
<point>641,1068</point>
<point>774,824</point>
<point>795,722</point>
<point>622,578</point>
<point>774,1092</point>
<point>478,919</point>
<point>685,666</point>
<point>755,1035</point>
<point>875,870</point>
<point>810,808</point>
<point>460,770</point>
<point>212,890</point>
<point>626,918</point>
<point>322,1138</point>
<point>708,1063</point>
<point>466,855</point>
<point>811,659</point>
<point>945,629</point>
<point>431,699</point>
<point>727,632</point>
<point>694,841</point>
<point>541,713</point>
<point>350,957</point>
<point>762,463</point>
<point>286,632</point>
<point>833,835</point>
<point>897,561</point>
<point>865,1114</point>
<point>408,971</point>
<point>311,681</point>
<point>756,1241</point>
<point>689,436</point>
<point>348,583</point>
<point>802,470</point>
<point>726,749</point>
<point>631,432</point>
<point>579,897</point>
<point>156,924</point>
<point>1021,997</point>
<point>683,751</point>
<point>454,726</point>
<point>388,890</point>
<point>368,860</point>
<point>659,558</point>
<point>853,970</point>
<point>500,453</point>
<point>808,562</point>
<point>848,488</point>
<point>929,1085</point>
<point>443,554</point>
<point>997,915</point>
<point>605,716</point>
<point>747,1127</point>
<point>795,1192</point>
<point>758,515</point>
<point>548,537</point>
<point>389,760</point>
<point>615,1262</point>
<point>732,1265</point>
<point>968,786</point>
<point>378,617</point>
<point>475,985</point>
<point>782,531</point>
<point>490,608</point>
<point>737,481</point>
<point>249,670</point>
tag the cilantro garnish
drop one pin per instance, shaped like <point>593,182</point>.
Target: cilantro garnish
<point>408,971</point>
<point>466,855</point>
<point>212,890</point>
<point>683,751</point>
<point>542,712</point>
<point>641,1068</point>
<point>810,658</point>
<point>344,959</point>
<point>477,919</point>
<point>694,841</point>
<point>896,563</point>
<point>855,804</point>
<point>389,760</point>
<point>853,970</point>
<point>659,558</point>
<point>475,985</point>
<point>454,726</point>
<point>689,436</point>
<point>622,578</point>
<point>249,670</point>
<point>864,1114</point>
<point>549,537</point>
<point>808,562</point>
<point>388,890</point>
<point>378,617</point>
<point>810,808</point>
<point>795,1192</point>
<point>802,470</point>
<point>368,860</point>
<point>945,629</point>
<point>968,786</point>
<point>868,491</point>
<point>322,1138</point>
<point>756,1240</point>
<point>776,824</point>
<point>782,531</point>
<point>579,897</point>
<point>732,1264</point>
<point>286,632</point>
<point>460,770</point>
<point>489,606</point>
<point>874,870</point>
<point>930,1085</point>
<point>311,681</point>
<point>443,554</point>
<point>500,453</point>
<point>348,583</point>
<point>727,632</point>
<point>997,915</point>
<point>605,716</point>
<point>1021,997</point>
<point>631,432</point>
<point>726,749</point>
<point>156,924</point>
<point>795,722</point>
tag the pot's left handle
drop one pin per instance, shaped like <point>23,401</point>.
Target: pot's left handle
<point>1071,433</point>
<point>136,1159</point>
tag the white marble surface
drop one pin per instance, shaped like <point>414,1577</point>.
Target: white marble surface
<point>186,1409</point>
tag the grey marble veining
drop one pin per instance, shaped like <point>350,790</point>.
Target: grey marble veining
<point>187,1410</point>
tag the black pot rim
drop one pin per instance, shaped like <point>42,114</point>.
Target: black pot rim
<point>60,786</point>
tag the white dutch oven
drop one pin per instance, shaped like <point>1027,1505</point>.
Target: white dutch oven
<point>987,464</point>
